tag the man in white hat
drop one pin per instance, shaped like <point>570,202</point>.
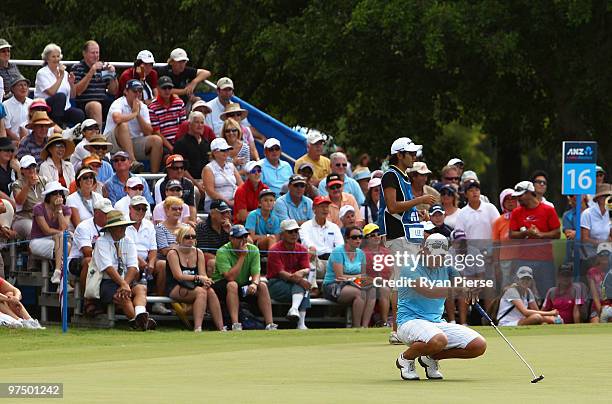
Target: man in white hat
<point>8,71</point>
<point>17,108</point>
<point>185,78</point>
<point>321,165</point>
<point>274,171</point>
<point>94,82</point>
<point>419,174</point>
<point>116,256</point>
<point>535,222</point>
<point>457,162</point>
<point>419,315</point>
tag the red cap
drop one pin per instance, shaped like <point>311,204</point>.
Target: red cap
<point>40,104</point>
<point>321,199</point>
<point>174,158</point>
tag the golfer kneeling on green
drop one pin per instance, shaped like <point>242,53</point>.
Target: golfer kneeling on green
<point>419,315</point>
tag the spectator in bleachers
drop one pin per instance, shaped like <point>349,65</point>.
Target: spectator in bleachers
<point>27,192</point>
<point>240,153</point>
<point>262,223</point>
<point>114,188</point>
<point>12,312</point>
<point>54,165</point>
<point>56,86</point>
<point>335,189</point>
<point>449,175</point>
<point>274,171</point>
<point>288,273</point>
<point>88,128</point>
<point>185,78</point>
<point>91,162</point>
<point>457,163</point>
<point>345,279</point>
<point>246,197</point>
<point>115,255</point>
<point>372,247</point>
<point>233,110</point>
<point>418,175</point>
<point>294,205</point>
<point>214,231</point>
<point>596,276</point>
<point>95,82</point>
<point>134,186</point>
<point>539,178</point>
<point>567,297</point>
<point>568,223</point>
<point>176,169</point>
<point>167,111</point>
<point>237,266</point>
<point>477,217</point>
<point>39,104</point>
<point>194,147</point>
<point>321,165</point>
<point>83,200</point>
<point>306,171</point>
<point>517,305</point>
<point>143,234</point>
<point>534,223</point>
<point>436,215</point>
<point>600,178</point>
<point>369,209</point>
<point>7,235</point>
<point>347,217</point>
<point>50,219</point>
<point>8,166</point>
<point>8,71</point>
<point>207,132</point>
<point>83,241</point>
<point>449,200</point>
<point>99,147</point>
<point>17,108</point>
<point>505,251</point>
<point>34,143</point>
<point>175,189</point>
<point>339,164</point>
<point>595,223</point>
<point>186,279</point>
<point>142,71</point>
<point>320,235</point>
<point>220,177</point>
<point>128,127</point>
<point>362,176</point>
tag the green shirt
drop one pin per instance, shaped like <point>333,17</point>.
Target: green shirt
<point>226,258</point>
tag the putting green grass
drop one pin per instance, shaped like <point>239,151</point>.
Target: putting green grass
<point>316,366</point>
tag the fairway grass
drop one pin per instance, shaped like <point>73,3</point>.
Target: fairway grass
<point>317,366</point>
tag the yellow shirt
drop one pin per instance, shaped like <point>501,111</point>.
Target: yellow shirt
<point>321,168</point>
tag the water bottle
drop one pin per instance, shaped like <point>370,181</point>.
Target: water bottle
<point>243,290</point>
<point>558,320</point>
<point>19,263</point>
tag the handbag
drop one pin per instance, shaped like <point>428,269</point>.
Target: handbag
<point>92,284</point>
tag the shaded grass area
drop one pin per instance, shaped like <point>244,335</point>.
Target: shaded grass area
<point>331,365</point>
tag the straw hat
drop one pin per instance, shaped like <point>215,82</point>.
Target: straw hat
<point>231,108</point>
<point>603,190</point>
<point>115,218</point>
<point>98,140</point>
<point>57,137</point>
<point>39,118</point>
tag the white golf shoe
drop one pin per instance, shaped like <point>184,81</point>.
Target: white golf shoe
<point>406,367</point>
<point>432,370</point>
<point>394,339</point>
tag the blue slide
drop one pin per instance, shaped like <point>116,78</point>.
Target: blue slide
<point>293,142</point>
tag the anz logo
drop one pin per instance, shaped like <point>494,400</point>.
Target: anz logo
<point>580,151</point>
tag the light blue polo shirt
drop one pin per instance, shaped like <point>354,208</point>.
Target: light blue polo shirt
<point>275,177</point>
<point>350,186</point>
<point>256,222</point>
<point>339,256</point>
<point>284,208</point>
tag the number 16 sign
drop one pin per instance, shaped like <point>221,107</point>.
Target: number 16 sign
<point>579,159</point>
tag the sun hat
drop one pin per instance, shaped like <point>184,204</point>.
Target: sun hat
<point>115,218</point>
<point>231,108</point>
<point>56,138</point>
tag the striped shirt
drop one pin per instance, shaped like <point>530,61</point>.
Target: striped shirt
<point>166,118</point>
<point>96,89</point>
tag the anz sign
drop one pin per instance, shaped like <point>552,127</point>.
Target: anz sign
<point>579,159</point>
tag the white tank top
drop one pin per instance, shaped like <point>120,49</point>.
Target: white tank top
<point>225,181</point>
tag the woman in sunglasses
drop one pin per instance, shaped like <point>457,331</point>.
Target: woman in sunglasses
<point>345,278</point>
<point>51,218</point>
<point>54,165</point>
<point>82,201</point>
<point>240,153</point>
<point>187,282</point>
<point>233,110</point>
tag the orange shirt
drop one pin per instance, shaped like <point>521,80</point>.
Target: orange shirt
<point>501,234</point>
<point>334,210</point>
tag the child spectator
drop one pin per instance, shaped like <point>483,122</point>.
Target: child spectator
<point>263,224</point>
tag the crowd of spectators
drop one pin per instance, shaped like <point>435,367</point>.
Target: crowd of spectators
<point>69,159</point>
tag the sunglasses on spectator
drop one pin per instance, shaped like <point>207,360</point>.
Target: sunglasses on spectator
<point>177,208</point>
<point>177,167</point>
<point>234,114</point>
<point>242,237</point>
<point>95,165</point>
<point>98,147</point>
<point>60,145</point>
<point>190,237</point>
<point>119,159</point>
<point>356,237</point>
<point>8,151</point>
<point>87,177</point>
<point>231,130</point>
<point>341,164</point>
<point>175,189</point>
<point>140,208</point>
<point>300,185</point>
<point>274,148</point>
<point>452,178</point>
<point>136,90</point>
<point>256,170</point>
<point>335,186</point>
<point>373,234</point>
<point>137,188</point>
<point>294,231</point>
<point>540,182</point>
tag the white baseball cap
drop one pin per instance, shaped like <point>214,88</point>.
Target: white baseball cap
<point>271,142</point>
<point>454,161</point>
<point>88,123</point>
<point>419,167</point>
<point>251,165</point>
<point>437,244</point>
<point>603,247</point>
<point>133,181</point>
<point>522,187</point>
<point>138,200</point>
<point>315,137</point>
<point>26,161</point>
<point>225,82</point>
<point>179,55</point>
<point>404,144</point>
<point>146,56</point>
<point>346,209</point>
<point>289,224</point>
<point>219,144</point>
<point>104,204</point>
<point>524,272</point>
